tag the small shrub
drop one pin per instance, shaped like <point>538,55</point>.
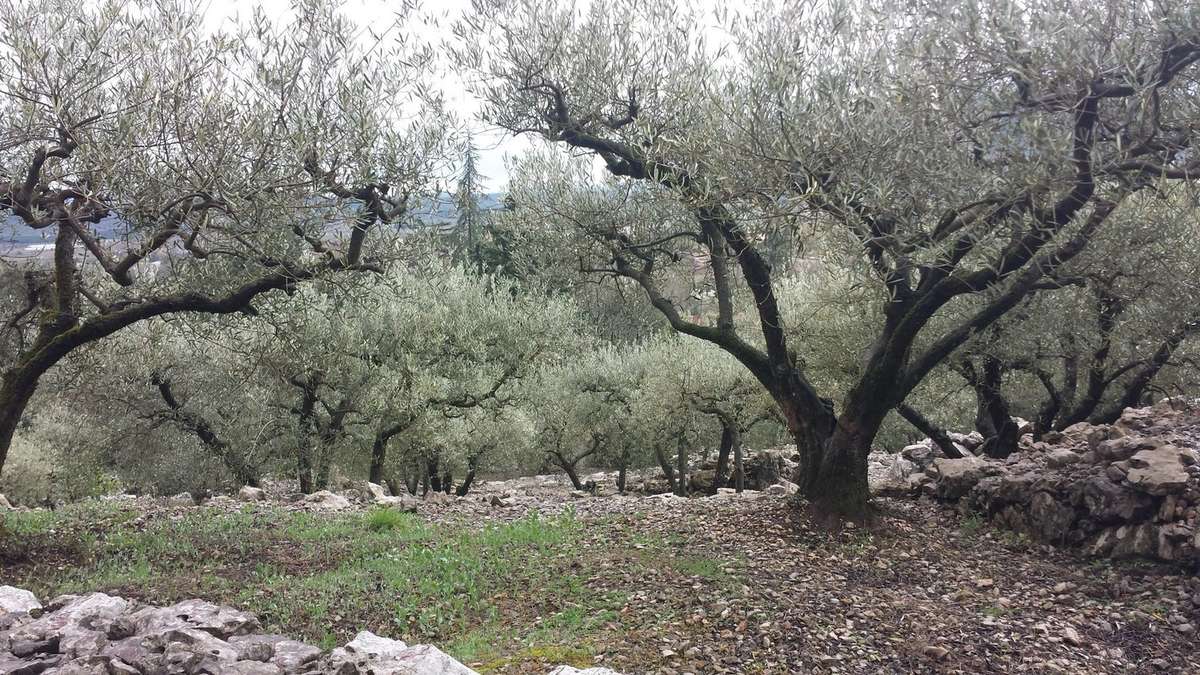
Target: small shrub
<point>971,525</point>
<point>381,520</point>
<point>46,467</point>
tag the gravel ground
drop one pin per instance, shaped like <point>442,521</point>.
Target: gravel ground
<point>747,585</point>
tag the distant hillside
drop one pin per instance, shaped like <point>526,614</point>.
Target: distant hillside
<point>428,211</point>
<point>443,209</point>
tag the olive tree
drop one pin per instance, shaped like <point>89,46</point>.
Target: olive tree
<point>457,349</point>
<point>180,170</point>
<point>720,388</point>
<point>945,152</point>
<point>1134,295</point>
<point>613,406</point>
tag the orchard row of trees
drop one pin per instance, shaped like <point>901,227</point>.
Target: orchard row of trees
<point>842,214</point>
<point>417,379</point>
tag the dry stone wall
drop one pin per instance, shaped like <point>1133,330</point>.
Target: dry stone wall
<point>99,634</point>
<point>1127,489</point>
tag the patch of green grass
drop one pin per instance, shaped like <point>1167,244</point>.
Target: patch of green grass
<point>995,611</point>
<point>482,645</point>
<point>971,525</point>
<point>1015,540</point>
<point>323,577</point>
<point>857,542</point>
<point>547,655</point>
<point>387,519</point>
<point>698,566</point>
<point>504,596</point>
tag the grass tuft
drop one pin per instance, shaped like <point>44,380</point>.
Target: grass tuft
<point>380,520</point>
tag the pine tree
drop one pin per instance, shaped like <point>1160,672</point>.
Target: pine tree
<point>470,216</point>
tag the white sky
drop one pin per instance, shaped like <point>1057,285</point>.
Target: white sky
<point>494,144</point>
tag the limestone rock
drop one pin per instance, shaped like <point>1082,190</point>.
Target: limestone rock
<point>251,494</point>
<point>1160,470</point>
<point>87,665</point>
<point>286,654</point>
<point>969,442</point>
<point>221,622</point>
<point>371,646</point>
<point>783,488</point>
<point>425,659</point>
<point>1120,449</point>
<point>376,492</point>
<point>252,668</point>
<point>5,505</point>
<point>136,652</point>
<point>656,485</point>
<point>956,477</point>
<point>921,454</point>
<point>370,653</point>
<point>97,634</point>
<point>1024,426</point>
<point>1130,489</point>
<point>17,600</point>
<point>1061,457</point>
<point>81,624</point>
<point>326,500</point>
<point>190,650</point>
<point>902,468</point>
<point>1050,519</point>
<point>701,481</point>
<point>182,499</point>
<point>403,503</point>
<point>291,655</point>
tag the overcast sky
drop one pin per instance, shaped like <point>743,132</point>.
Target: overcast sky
<point>494,145</point>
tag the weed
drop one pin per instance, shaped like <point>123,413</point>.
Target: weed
<point>971,525</point>
<point>386,519</point>
<point>1015,540</point>
<point>698,566</point>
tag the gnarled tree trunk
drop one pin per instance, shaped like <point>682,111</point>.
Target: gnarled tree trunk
<point>729,438</point>
<point>667,469</point>
<point>993,418</point>
<point>681,468</point>
<point>931,430</point>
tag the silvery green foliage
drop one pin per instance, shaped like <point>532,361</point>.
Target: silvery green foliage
<point>442,353</point>
<point>179,169</point>
<point>51,464</point>
<point>164,111</point>
<point>1122,312</point>
<point>942,158</point>
<point>919,109</point>
<point>458,348</point>
<point>624,405</point>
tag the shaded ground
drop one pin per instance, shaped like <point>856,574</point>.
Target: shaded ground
<point>638,584</point>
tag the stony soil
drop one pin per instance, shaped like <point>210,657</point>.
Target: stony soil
<point>915,592</point>
<point>920,589</point>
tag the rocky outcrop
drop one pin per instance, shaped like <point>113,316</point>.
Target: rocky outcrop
<point>17,601</point>
<point>377,494</point>
<point>252,494</point>
<point>324,500</point>
<point>104,635</point>
<point>1127,489</point>
<point>772,466</point>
